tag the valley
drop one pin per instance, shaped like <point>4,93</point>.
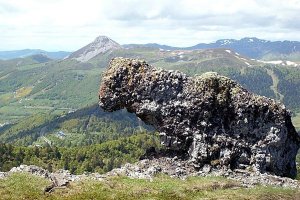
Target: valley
<point>175,100</point>
<point>61,85</point>
<point>41,98</point>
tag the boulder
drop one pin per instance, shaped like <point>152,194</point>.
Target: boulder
<point>3,175</point>
<point>210,119</point>
<point>32,169</point>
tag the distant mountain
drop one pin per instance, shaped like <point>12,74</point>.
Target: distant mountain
<point>251,47</point>
<point>40,58</point>
<point>7,66</point>
<point>6,55</point>
<point>151,45</point>
<point>254,47</point>
<point>100,45</point>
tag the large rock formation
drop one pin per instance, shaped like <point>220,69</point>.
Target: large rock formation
<point>209,118</point>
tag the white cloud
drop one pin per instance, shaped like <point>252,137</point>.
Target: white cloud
<point>69,24</point>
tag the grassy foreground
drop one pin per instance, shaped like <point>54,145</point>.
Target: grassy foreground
<point>25,186</point>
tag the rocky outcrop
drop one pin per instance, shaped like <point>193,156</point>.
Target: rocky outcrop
<point>149,169</point>
<point>177,168</point>
<point>210,119</point>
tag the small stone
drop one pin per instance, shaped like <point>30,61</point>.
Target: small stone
<point>206,168</point>
<point>3,175</point>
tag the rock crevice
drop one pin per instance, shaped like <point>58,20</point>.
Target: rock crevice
<point>209,118</point>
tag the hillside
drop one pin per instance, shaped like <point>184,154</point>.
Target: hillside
<point>35,85</point>
<point>100,157</point>
<point>86,126</point>
<point>49,117</point>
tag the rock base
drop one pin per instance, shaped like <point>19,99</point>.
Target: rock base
<point>177,168</point>
<point>149,168</point>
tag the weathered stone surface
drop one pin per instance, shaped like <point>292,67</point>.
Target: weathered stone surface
<point>209,118</point>
<point>149,168</point>
<point>177,168</point>
<point>32,169</point>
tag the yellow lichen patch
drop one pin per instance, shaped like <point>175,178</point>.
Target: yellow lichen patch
<point>6,97</point>
<point>23,91</point>
<point>296,121</point>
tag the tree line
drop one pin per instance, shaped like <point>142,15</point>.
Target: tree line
<point>93,158</point>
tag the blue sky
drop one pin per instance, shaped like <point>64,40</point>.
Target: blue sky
<point>71,24</point>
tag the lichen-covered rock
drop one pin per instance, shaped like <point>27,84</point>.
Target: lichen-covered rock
<point>177,168</point>
<point>209,118</point>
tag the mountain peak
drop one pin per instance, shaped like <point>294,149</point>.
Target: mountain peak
<point>225,41</point>
<point>252,39</point>
<point>102,38</point>
<point>100,45</point>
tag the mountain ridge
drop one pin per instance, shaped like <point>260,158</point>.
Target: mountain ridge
<point>249,46</point>
<point>7,55</point>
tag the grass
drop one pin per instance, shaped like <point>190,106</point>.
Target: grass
<point>23,91</point>
<point>14,112</point>
<point>25,186</point>
<point>22,186</point>
<point>274,87</point>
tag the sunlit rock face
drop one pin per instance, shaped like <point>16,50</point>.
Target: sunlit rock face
<point>209,118</point>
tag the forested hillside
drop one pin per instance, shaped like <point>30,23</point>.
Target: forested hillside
<point>39,93</point>
<point>92,158</point>
<point>49,114</point>
<point>90,125</point>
